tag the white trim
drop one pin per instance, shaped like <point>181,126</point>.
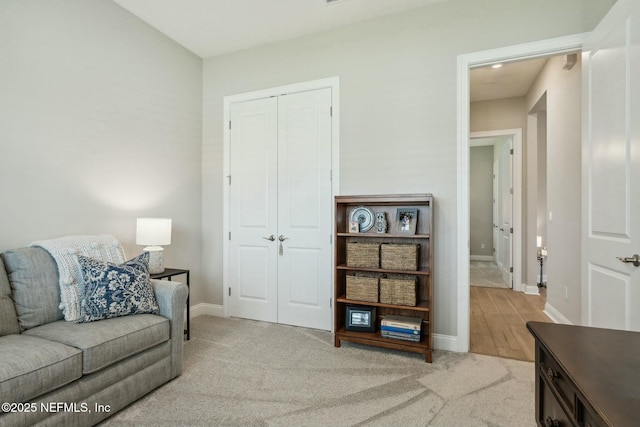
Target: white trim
<point>536,49</point>
<point>445,342</point>
<point>530,289</point>
<point>204,309</point>
<point>331,82</point>
<point>555,315</point>
<point>481,258</point>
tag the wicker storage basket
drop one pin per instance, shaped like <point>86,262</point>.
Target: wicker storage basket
<point>398,290</point>
<point>362,287</point>
<point>364,255</point>
<point>399,256</point>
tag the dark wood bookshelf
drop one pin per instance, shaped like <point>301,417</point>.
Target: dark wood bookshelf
<point>423,274</point>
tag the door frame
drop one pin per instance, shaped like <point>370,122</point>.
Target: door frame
<point>549,47</point>
<point>516,208</point>
<point>330,82</point>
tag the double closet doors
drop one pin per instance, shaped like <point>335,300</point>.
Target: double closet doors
<point>280,206</point>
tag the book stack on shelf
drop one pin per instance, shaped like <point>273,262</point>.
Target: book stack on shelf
<point>401,328</point>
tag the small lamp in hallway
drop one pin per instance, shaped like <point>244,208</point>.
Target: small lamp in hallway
<point>542,254</point>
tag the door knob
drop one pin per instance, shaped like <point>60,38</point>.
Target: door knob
<point>270,238</point>
<point>282,238</point>
<point>635,260</point>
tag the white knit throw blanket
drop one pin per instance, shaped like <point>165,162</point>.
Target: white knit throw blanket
<point>65,251</point>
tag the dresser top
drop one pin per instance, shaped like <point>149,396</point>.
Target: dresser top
<point>604,364</point>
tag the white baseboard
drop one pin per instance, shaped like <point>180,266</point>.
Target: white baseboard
<point>531,289</point>
<point>204,309</point>
<point>445,342</point>
<point>481,258</point>
<point>555,315</point>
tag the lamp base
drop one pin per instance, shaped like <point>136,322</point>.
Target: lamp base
<point>156,259</point>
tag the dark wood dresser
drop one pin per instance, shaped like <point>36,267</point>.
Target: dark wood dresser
<point>586,377</point>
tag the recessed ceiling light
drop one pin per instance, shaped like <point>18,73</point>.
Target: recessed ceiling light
<point>496,66</point>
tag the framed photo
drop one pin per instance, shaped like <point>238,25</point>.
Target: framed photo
<point>360,318</point>
<point>354,227</point>
<point>406,220</point>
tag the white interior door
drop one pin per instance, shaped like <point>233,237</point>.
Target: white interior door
<point>611,143</point>
<point>280,209</point>
<point>506,206</point>
<point>304,209</point>
<point>253,207</point>
<point>496,216</point>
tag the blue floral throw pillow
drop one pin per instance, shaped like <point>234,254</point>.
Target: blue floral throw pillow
<point>116,290</point>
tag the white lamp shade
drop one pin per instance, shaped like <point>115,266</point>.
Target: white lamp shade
<point>539,241</point>
<point>153,231</point>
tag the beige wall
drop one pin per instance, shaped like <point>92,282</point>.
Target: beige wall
<point>498,114</point>
<point>397,86</point>
<point>563,98</point>
<point>100,122</point>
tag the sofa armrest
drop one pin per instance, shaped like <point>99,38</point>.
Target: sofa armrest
<point>172,300</point>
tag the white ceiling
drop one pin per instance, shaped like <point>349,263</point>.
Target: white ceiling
<point>215,27</point>
<point>511,80</point>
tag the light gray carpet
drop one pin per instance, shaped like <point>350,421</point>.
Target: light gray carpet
<point>245,373</point>
<point>486,274</point>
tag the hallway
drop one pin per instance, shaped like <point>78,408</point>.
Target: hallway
<point>498,322</point>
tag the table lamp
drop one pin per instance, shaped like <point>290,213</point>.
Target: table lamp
<point>154,232</point>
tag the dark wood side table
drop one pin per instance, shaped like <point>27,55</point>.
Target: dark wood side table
<point>168,273</point>
<point>587,377</point>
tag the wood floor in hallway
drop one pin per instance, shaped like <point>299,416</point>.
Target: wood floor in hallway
<point>498,322</point>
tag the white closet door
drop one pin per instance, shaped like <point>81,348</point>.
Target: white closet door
<point>253,258</point>
<point>280,151</point>
<point>304,209</point>
<point>506,198</point>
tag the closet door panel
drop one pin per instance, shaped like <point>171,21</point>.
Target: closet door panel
<point>304,209</point>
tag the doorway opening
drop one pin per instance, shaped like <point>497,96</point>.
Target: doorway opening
<point>495,197</point>
<point>466,63</point>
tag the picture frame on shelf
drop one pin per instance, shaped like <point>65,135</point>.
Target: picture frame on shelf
<point>360,318</point>
<point>354,227</point>
<point>406,220</point>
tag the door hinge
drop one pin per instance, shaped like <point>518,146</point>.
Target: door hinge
<point>511,230</point>
<point>510,269</point>
<point>511,151</point>
<point>511,191</point>
<point>229,290</point>
<point>229,177</point>
<point>330,111</point>
<point>229,124</point>
<point>229,235</point>
<point>330,302</point>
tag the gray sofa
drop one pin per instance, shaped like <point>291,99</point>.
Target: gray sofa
<point>59,373</point>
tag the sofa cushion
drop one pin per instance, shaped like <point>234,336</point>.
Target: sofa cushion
<point>108,341</point>
<point>65,251</point>
<point>33,276</point>
<point>116,290</point>
<point>8,319</point>
<point>32,366</point>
